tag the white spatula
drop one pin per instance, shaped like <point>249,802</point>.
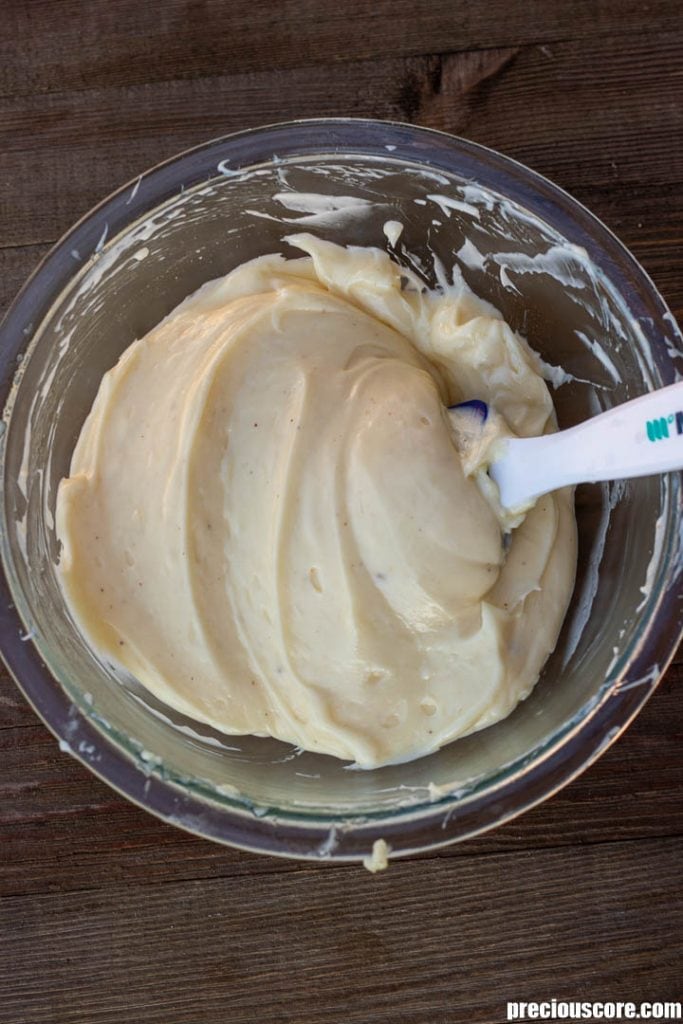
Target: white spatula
<point>639,438</point>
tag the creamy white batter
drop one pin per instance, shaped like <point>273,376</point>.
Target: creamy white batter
<point>269,524</point>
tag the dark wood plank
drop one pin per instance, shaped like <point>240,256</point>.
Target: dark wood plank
<point>86,44</point>
<point>60,154</point>
<point>588,112</point>
<point>60,828</point>
<point>436,942</point>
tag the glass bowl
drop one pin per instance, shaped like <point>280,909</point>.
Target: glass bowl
<point>558,275</point>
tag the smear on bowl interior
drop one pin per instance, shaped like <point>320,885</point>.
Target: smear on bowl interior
<point>268,520</point>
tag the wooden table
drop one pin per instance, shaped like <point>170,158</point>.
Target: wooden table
<point>107,915</point>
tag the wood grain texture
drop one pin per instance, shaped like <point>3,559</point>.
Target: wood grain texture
<point>97,839</point>
<point>434,941</point>
<point>107,914</point>
<point>86,44</point>
<point>620,119</point>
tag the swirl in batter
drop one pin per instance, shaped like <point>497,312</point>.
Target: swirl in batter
<point>268,521</point>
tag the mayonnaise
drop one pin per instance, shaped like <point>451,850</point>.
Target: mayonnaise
<point>268,521</point>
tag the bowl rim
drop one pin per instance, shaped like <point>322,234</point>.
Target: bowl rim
<point>424,826</point>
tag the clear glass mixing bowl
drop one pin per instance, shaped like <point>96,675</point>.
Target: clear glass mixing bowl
<point>557,274</point>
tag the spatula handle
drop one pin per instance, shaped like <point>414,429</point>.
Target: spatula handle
<point>639,438</point>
